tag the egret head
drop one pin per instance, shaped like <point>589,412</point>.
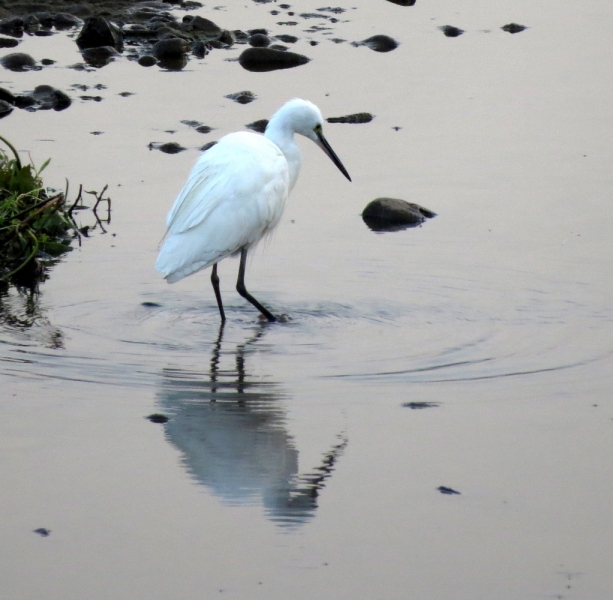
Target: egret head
<point>303,117</point>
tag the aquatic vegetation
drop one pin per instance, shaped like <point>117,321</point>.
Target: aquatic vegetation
<point>36,225</point>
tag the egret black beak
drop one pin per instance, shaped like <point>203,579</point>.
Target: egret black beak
<point>323,144</point>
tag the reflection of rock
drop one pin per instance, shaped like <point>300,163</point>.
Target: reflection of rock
<point>392,214</point>
<point>231,430</point>
<point>268,59</point>
<point>100,56</point>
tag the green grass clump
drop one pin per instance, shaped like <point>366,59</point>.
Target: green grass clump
<point>35,225</point>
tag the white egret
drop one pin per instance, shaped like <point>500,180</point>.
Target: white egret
<point>235,196</point>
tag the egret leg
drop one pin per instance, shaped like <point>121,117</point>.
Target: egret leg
<point>242,290</point>
<point>215,282</point>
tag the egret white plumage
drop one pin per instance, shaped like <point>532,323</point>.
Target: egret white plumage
<point>235,196</point>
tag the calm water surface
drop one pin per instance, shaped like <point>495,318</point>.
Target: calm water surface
<point>289,466</point>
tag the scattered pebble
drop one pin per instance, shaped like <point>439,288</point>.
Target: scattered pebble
<point>207,146</point>
<point>242,97</point>
<point>362,117</point>
<point>204,129</point>
<point>19,61</point>
<point>170,48</point>
<point>168,147</point>
<point>8,42</point>
<point>42,531</point>
<point>417,405</point>
<point>403,2</point>
<point>451,31</point>
<point>147,61</point>
<point>379,43</point>
<point>259,126</point>
<point>513,28</point>
<point>392,214</point>
<point>447,490</point>
<point>259,40</point>
<point>158,417</point>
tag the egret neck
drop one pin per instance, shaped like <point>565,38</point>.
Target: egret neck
<point>281,133</point>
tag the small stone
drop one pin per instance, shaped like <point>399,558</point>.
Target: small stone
<point>451,31</point>
<point>170,48</point>
<point>379,43</point>
<point>47,62</point>
<point>168,147</point>
<point>403,2</point>
<point>147,61</point>
<point>8,42</point>
<point>12,25</point>
<point>7,96</point>
<point>392,214</point>
<point>259,126</point>
<point>513,28</point>
<point>447,490</point>
<point>362,117</point>
<point>267,59</point>
<point>207,146</point>
<point>259,40</point>
<point>288,39</point>
<point>204,129</point>
<point>242,97</point>
<point>48,97</point>
<point>42,531</point>
<point>157,417</point>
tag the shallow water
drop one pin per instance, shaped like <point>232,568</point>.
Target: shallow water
<point>290,466</point>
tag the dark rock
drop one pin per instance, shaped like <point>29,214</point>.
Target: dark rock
<point>94,98</point>
<point>43,33</point>
<point>513,28</point>
<point>362,117</point>
<point>191,123</point>
<point>267,59</point>
<point>12,26</point>
<point>204,129</point>
<point>156,417</point>
<point>447,490</point>
<point>242,97</point>
<point>47,97</point>
<point>174,63</point>
<point>99,56</point>
<point>199,49</point>
<point>125,94</point>
<point>170,48</point>
<point>7,96</point>
<point>5,108</point>
<point>40,18</point>
<point>42,531</point>
<point>418,405</point>
<point>65,20</point>
<point>259,40</point>
<point>168,147</point>
<point>379,43</point>
<point>451,31</point>
<point>257,31</point>
<point>207,146</point>
<point>97,31</point>
<point>24,101</point>
<point>259,126</point>
<point>280,47</point>
<point>147,61</point>
<point>47,62</point>
<point>150,304</point>
<point>8,42</point>
<point>288,39</point>
<point>19,61</point>
<point>79,10</point>
<point>403,2</point>
<point>227,37</point>
<point>205,29</point>
<point>392,214</point>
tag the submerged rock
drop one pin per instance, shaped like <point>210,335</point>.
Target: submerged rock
<point>451,31</point>
<point>513,28</point>
<point>379,43</point>
<point>242,97</point>
<point>97,31</point>
<point>362,117</point>
<point>19,61</point>
<point>392,214</point>
<point>99,56</point>
<point>268,59</point>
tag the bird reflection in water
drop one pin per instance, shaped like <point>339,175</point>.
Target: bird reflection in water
<point>231,428</point>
